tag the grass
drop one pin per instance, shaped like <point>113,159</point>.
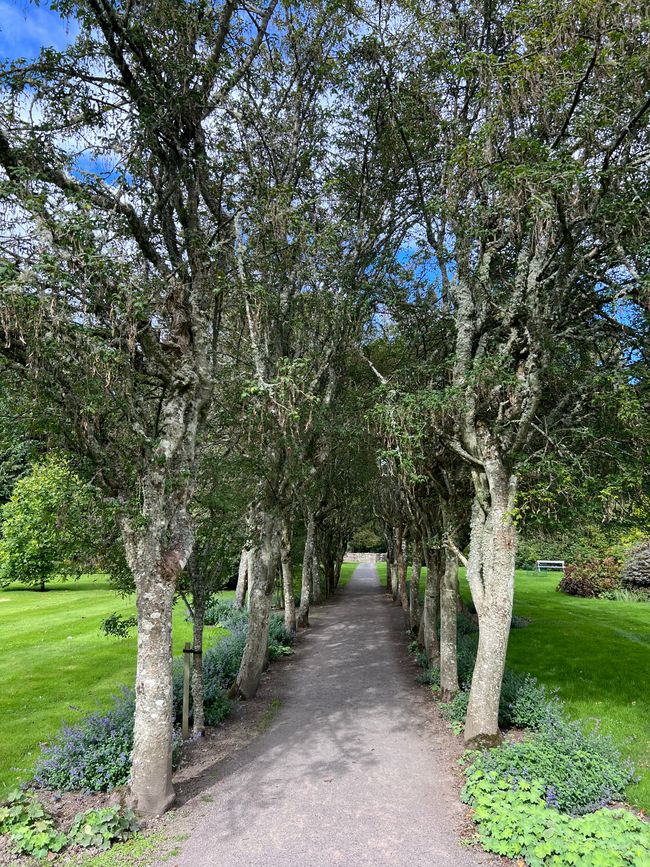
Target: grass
<point>596,653</point>
<point>57,665</point>
<point>347,570</point>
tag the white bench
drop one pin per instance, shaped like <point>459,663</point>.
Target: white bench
<point>549,564</point>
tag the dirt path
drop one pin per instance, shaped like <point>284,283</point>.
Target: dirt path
<point>354,769</point>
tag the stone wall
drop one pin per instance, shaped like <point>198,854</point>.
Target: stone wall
<point>364,557</point>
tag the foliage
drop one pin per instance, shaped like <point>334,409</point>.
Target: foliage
<point>591,578</point>
<point>532,706</point>
<point>117,625</point>
<point>636,573</point>
<point>222,612</point>
<point>43,525</point>
<point>95,754</point>
<point>514,821</point>
<point>581,770</point>
<point>31,830</point>
<point>100,828</point>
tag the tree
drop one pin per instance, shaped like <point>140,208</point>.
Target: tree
<point>514,171</point>
<point>45,530</point>
<point>114,280</point>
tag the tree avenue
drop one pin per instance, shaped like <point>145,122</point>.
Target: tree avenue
<point>271,272</point>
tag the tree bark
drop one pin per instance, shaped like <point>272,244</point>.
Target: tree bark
<point>198,714</point>
<point>262,570</point>
<point>306,580</point>
<point>490,573</point>
<point>151,772</point>
<point>242,580</point>
<point>448,631</point>
<point>287,577</point>
<point>430,638</point>
<point>316,588</point>
<point>414,596</point>
<point>402,595</point>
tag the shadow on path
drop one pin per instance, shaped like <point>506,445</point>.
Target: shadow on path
<point>353,770</point>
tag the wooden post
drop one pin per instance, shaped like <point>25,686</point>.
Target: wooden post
<point>187,650</point>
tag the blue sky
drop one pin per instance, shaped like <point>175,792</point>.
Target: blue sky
<point>25,28</point>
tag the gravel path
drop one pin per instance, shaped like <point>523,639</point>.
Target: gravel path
<point>356,767</point>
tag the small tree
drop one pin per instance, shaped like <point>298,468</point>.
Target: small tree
<point>44,530</point>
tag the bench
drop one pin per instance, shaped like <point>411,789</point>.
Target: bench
<point>549,564</point>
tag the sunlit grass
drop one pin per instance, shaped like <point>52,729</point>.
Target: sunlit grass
<point>57,665</point>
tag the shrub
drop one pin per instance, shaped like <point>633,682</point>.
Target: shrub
<point>514,821</point>
<point>580,770</point>
<point>636,574</point>
<point>100,828</point>
<point>281,640</point>
<point>455,710</point>
<point>222,612</point>
<point>532,707</point>
<point>591,578</point>
<point>95,754</point>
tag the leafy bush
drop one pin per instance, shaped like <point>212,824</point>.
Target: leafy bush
<point>514,821</point>
<point>281,640</point>
<point>29,827</point>
<point>636,574</point>
<point>222,612</point>
<point>580,770</point>
<point>591,578</point>
<point>532,707</point>
<point>95,754</point>
<point>455,711</point>
<point>101,828</point>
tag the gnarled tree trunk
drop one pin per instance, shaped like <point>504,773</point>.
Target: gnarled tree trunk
<point>262,568</point>
<point>491,573</point>
<point>448,632</point>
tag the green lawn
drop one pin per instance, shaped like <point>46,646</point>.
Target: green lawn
<point>57,666</point>
<point>347,570</point>
<point>596,653</point>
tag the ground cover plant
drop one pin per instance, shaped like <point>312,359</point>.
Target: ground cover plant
<point>59,632</point>
<point>32,831</point>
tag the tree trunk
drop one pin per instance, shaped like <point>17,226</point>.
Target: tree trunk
<point>430,639</point>
<point>402,595</point>
<point>316,588</point>
<point>490,573</point>
<point>414,596</point>
<point>198,600</point>
<point>151,772</point>
<point>262,569</point>
<point>242,580</point>
<point>306,581</point>
<point>389,573</point>
<point>287,578</point>
<point>448,638</point>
